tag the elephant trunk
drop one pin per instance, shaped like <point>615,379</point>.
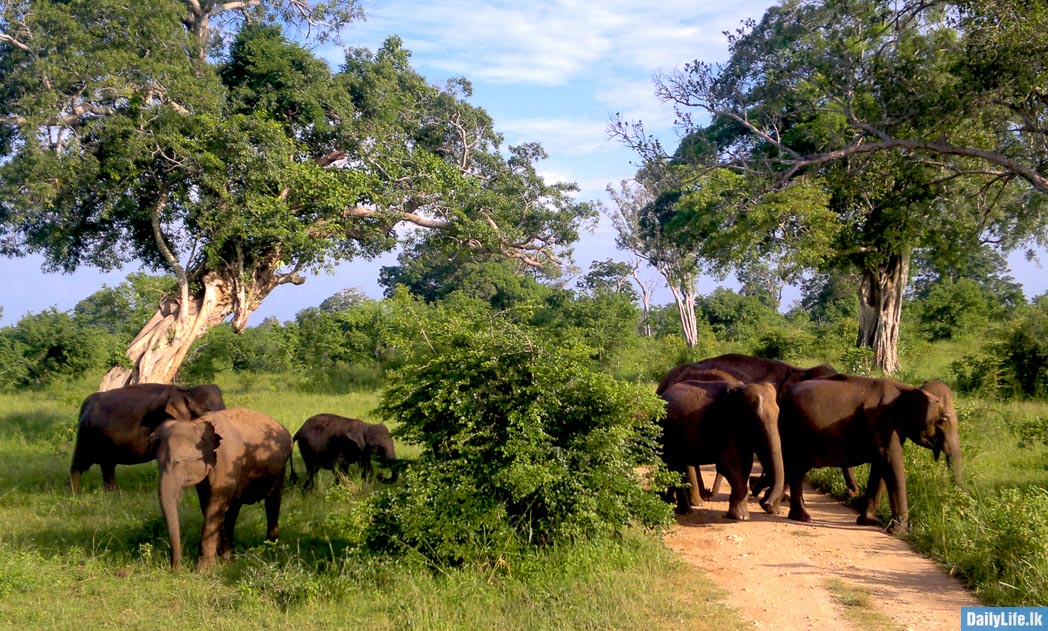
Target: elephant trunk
<point>773,465</point>
<point>394,472</point>
<point>170,494</point>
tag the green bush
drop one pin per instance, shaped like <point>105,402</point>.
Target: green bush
<point>1013,366</point>
<point>522,443</point>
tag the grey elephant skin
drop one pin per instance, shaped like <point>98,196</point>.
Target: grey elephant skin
<point>233,457</point>
<point>722,423</point>
<point>114,426</point>
<point>847,420</point>
<point>738,368</point>
<point>329,441</point>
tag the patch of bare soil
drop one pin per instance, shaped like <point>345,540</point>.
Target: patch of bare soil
<point>776,570</point>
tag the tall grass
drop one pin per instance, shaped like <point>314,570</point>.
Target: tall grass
<point>100,560</point>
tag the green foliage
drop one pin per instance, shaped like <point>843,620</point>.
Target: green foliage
<point>522,444</point>
<point>49,347</point>
<point>954,310</point>
<point>735,317</point>
<point>1015,364</point>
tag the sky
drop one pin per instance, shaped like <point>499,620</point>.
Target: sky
<point>549,71</point>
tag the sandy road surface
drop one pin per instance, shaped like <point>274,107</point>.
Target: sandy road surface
<point>776,570</point>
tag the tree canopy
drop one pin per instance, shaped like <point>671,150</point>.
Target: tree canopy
<point>920,121</point>
<point>134,133</point>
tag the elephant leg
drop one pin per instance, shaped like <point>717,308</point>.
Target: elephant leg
<point>849,481</point>
<point>874,490</point>
<point>714,489</point>
<point>798,512</point>
<point>895,478</point>
<point>696,489</point>
<point>683,498</point>
<point>366,468</point>
<point>273,514</point>
<point>213,507</point>
<point>229,523</point>
<point>109,475</point>
<point>737,474</point>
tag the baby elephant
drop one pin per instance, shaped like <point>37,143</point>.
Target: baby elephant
<point>329,441</point>
<point>233,457</point>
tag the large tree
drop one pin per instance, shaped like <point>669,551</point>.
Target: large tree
<point>195,138</point>
<point>923,119</point>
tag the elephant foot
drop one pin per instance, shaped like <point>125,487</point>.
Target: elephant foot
<point>706,494</point>
<point>205,563</point>
<point>738,513</point>
<point>866,520</point>
<point>896,527</point>
<point>682,510</point>
<point>769,507</point>
<point>799,515</point>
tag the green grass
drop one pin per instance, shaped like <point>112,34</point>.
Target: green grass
<point>100,560</point>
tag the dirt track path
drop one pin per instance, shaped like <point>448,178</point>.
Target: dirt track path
<point>776,570</point>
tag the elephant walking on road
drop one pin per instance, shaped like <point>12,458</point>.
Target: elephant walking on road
<point>233,457</point>
<point>114,426</point>
<point>846,420</point>
<point>738,368</point>
<point>716,422</point>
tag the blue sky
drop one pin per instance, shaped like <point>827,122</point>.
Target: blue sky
<point>551,71</point>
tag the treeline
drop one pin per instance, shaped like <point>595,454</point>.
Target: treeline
<point>351,340</point>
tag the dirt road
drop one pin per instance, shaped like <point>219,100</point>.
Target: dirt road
<point>777,571</point>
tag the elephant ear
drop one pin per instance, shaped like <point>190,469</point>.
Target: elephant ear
<point>178,408</point>
<point>208,443</point>
<point>357,438</point>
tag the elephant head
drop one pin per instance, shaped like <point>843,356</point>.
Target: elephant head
<point>379,443</point>
<point>186,456</point>
<point>940,432</point>
<point>185,404</point>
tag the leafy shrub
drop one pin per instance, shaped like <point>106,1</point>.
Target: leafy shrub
<point>953,309</point>
<point>522,443</point>
<point>787,343</point>
<point>1015,365</point>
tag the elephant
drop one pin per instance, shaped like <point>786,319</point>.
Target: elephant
<point>233,457</point>
<point>724,424</point>
<point>737,368</point>
<point>329,441</point>
<point>115,425</point>
<point>847,420</point>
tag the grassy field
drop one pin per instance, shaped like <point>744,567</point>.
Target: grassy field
<point>100,560</point>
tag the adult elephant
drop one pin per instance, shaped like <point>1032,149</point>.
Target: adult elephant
<point>114,426</point>
<point>722,423</point>
<point>329,441</point>
<point>233,457</point>
<point>847,420</point>
<point>732,368</point>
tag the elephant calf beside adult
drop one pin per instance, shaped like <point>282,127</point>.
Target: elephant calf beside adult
<point>722,423</point>
<point>114,426</point>
<point>233,457</point>
<point>329,441</point>
<point>847,420</point>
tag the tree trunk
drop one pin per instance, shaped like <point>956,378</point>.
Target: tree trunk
<point>880,310</point>
<point>157,352</point>
<point>684,295</point>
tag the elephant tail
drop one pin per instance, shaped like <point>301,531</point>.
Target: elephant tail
<point>291,465</point>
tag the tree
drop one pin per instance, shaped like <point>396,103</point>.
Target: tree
<point>640,231</point>
<point>934,106</point>
<point>129,133</point>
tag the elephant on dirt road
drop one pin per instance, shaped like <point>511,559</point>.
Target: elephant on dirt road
<point>233,457</point>
<point>847,420</point>
<point>737,368</point>
<point>716,422</point>
<point>114,426</point>
<point>329,441</point>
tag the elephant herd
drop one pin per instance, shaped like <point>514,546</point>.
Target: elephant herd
<point>232,456</point>
<point>725,410</point>
<point>722,411</point>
